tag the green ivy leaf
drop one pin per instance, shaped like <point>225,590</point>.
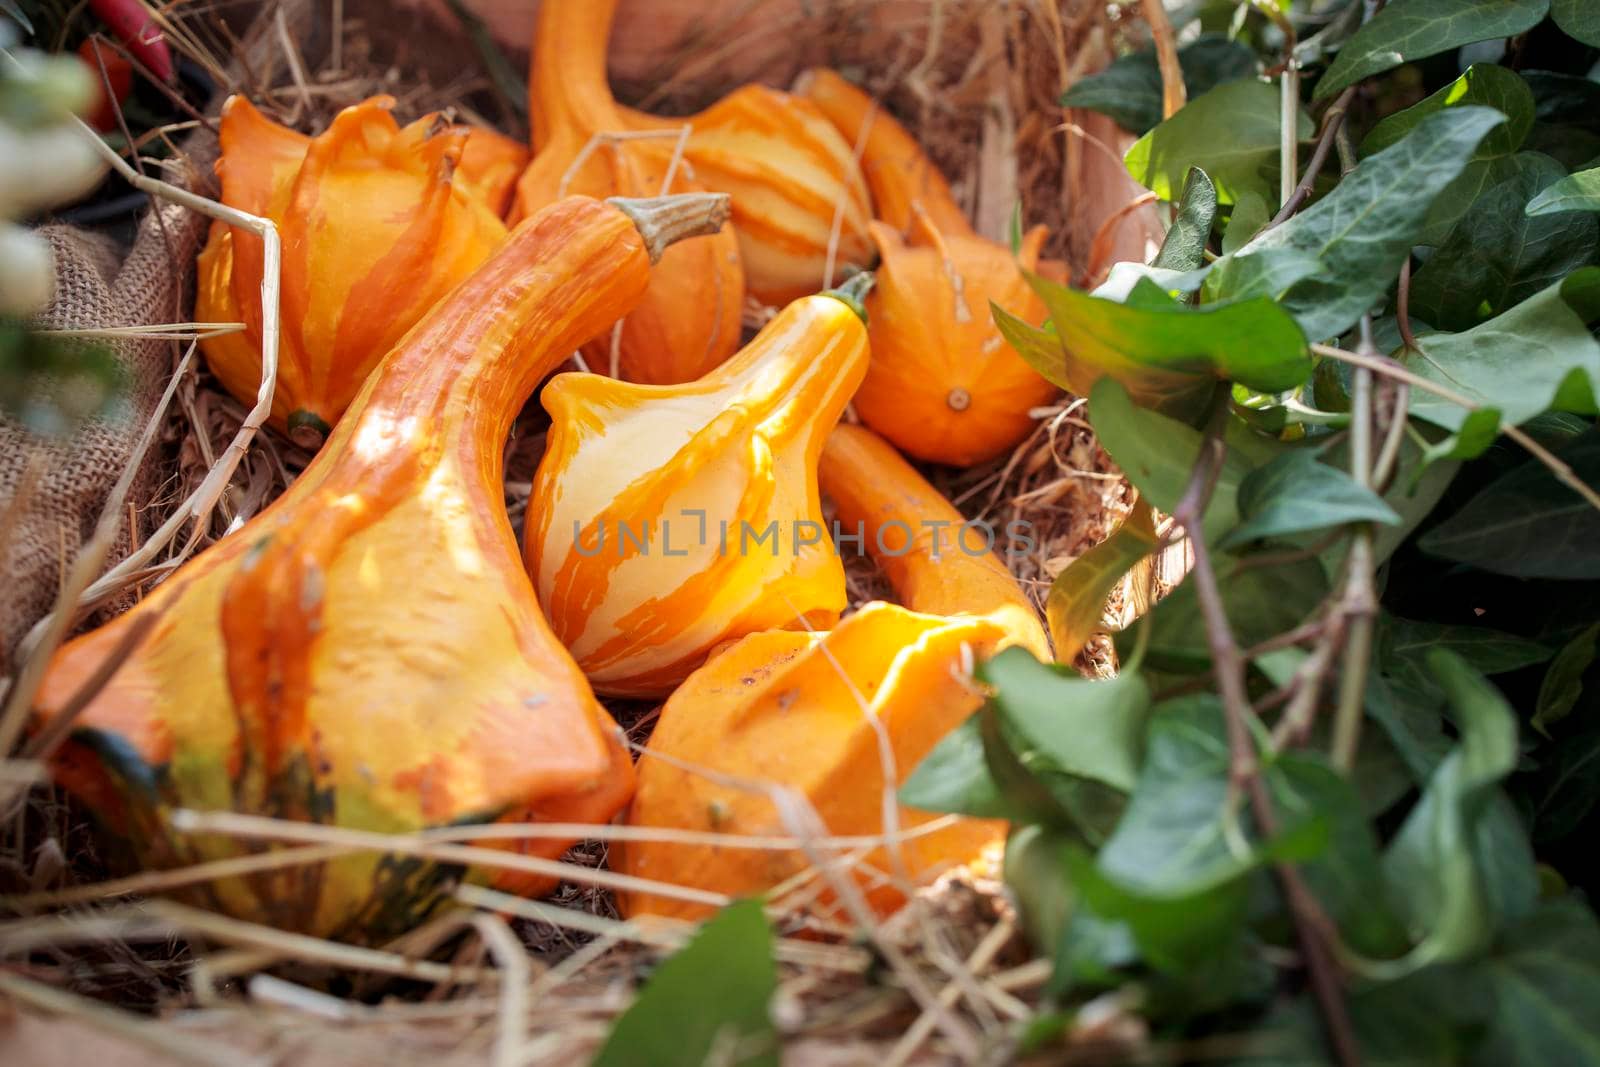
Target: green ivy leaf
<point>1579,19</point>
<point>1435,866</point>
<point>1185,245</point>
<point>1537,356</point>
<point>1408,30</point>
<point>1544,983</point>
<point>1526,523</point>
<point>1077,599</point>
<point>1332,262</point>
<point>1566,118</point>
<point>1169,355</point>
<point>1129,90</point>
<point>1486,85</point>
<point>1576,192</point>
<point>1158,454</point>
<point>1230,132</point>
<point>708,1002</point>
<point>1482,85</point>
<point>1296,493</point>
<point>1260,602</point>
<point>955,778</point>
<point>1405,645</point>
<point>1086,728</point>
<point>1174,868</point>
<point>1563,682</point>
<point>1497,256</point>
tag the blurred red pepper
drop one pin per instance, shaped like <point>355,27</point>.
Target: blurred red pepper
<point>114,86</point>
<point>132,24</point>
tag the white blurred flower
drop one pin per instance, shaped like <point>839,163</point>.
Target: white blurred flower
<point>27,275</point>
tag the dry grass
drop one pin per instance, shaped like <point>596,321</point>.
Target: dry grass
<point>944,981</point>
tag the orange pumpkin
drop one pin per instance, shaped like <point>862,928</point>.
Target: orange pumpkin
<point>689,320</point>
<point>944,385</point>
<point>490,165</point>
<point>824,716</point>
<point>668,519</point>
<point>376,227</point>
<point>367,652</point>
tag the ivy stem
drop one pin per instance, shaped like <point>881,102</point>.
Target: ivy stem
<point>1388,367</point>
<point>1312,928</point>
<point>1332,122</point>
<point>1360,600</point>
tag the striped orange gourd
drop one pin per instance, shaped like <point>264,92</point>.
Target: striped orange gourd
<point>367,652</point>
<point>689,320</point>
<point>665,520</point>
<point>825,716</point>
<point>944,385</point>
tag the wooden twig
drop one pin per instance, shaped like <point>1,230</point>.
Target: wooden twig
<point>1332,122</point>
<point>1174,94</point>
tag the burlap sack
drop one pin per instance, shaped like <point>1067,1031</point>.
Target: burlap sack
<point>52,490</point>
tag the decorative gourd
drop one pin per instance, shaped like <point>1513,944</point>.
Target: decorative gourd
<point>800,203</point>
<point>689,320</point>
<point>490,165</point>
<point>375,227</point>
<point>798,710</point>
<point>665,520</point>
<point>367,652</point>
<point>944,385</point>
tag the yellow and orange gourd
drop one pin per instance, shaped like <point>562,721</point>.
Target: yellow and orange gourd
<point>377,223</point>
<point>689,319</point>
<point>944,385</point>
<point>800,205</point>
<point>803,711</point>
<point>367,652</point>
<point>665,520</point>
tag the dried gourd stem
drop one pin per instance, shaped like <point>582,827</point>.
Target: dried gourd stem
<point>663,220</point>
<point>1174,94</point>
<point>980,958</point>
<point>163,1038</point>
<point>261,828</point>
<point>1389,368</point>
<point>91,555</point>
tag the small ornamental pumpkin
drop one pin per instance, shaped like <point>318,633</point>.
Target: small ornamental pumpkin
<point>689,320</point>
<point>376,227</point>
<point>800,205</point>
<point>665,520</point>
<point>815,713</point>
<point>944,385</point>
<point>367,652</point>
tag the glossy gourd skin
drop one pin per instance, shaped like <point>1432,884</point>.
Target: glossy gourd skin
<point>376,224</point>
<point>944,385</point>
<point>689,320</point>
<point>367,652</point>
<point>797,710</point>
<point>738,447</point>
<point>797,189</point>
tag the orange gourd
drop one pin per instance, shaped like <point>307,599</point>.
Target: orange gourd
<point>800,204</point>
<point>803,711</point>
<point>376,226</point>
<point>689,320</point>
<point>944,385</point>
<point>668,519</point>
<point>490,165</point>
<point>367,652</point>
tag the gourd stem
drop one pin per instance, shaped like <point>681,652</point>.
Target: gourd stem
<point>665,220</point>
<point>307,429</point>
<point>852,292</point>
